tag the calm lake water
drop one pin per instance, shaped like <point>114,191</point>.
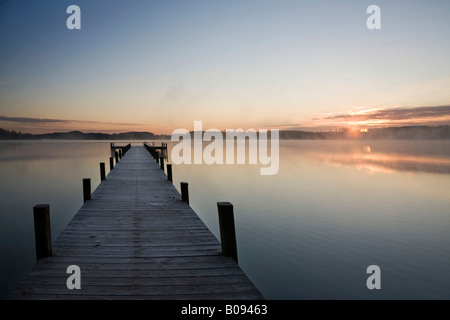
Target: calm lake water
<point>309,232</point>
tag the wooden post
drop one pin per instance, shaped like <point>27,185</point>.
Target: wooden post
<point>157,156</point>
<point>86,189</point>
<point>184,192</point>
<point>120,153</point>
<point>42,231</point>
<point>169,172</point>
<point>111,163</point>
<point>161,162</point>
<point>102,171</point>
<point>227,230</point>
<point>117,157</point>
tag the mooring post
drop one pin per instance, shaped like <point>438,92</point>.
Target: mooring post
<point>227,230</point>
<point>157,156</point>
<point>161,162</point>
<point>120,153</point>
<point>117,157</point>
<point>86,189</point>
<point>102,171</point>
<point>169,172</point>
<point>42,231</point>
<point>184,192</point>
<point>111,163</point>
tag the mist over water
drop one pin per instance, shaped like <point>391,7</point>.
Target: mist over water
<point>309,232</point>
<point>333,209</point>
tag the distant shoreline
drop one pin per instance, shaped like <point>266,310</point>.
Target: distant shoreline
<point>392,133</point>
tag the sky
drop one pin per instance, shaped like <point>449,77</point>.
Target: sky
<point>159,65</point>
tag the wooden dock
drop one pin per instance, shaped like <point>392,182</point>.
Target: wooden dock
<point>137,240</point>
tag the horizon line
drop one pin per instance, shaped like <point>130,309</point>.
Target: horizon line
<point>330,130</point>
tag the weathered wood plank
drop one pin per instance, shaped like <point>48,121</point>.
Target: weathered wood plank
<point>126,289</point>
<point>205,296</point>
<point>193,272</point>
<point>144,281</point>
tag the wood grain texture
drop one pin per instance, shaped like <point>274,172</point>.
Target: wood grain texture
<point>136,239</point>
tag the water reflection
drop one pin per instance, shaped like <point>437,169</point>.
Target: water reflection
<point>48,149</point>
<point>35,172</point>
<point>308,232</point>
<point>380,157</point>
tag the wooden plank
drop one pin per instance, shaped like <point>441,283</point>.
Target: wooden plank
<point>217,259</point>
<point>136,239</point>
<point>205,296</point>
<point>141,281</point>
<point>125,290</point>
<point>193,272</point>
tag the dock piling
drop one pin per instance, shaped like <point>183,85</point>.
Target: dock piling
<point>102,171</point>
<point>161,162</point>
<point>42,231</point>
<point>227,230</point>
<point>86,189</point>
<point>117,156</point>
<point>184,192</point>
<point>169,172</point>
<point>111,163</point>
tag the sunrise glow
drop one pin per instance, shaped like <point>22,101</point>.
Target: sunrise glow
<point>158,69</point>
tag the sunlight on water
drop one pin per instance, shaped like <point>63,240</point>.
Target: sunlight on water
<point>333,209</point>
<point>309,232</point>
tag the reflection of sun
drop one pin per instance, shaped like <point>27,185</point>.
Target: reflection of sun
<point>377,162</point>
<point>363,130</point>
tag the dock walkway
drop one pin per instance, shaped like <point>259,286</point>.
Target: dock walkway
<point>137,240</point>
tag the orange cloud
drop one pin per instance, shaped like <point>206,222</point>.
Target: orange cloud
<point>393,117</point>
<point>42,125</point>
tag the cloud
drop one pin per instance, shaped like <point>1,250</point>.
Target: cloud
<point>395,114</point>
<point>281,125</point>
<point>388,117</point>
<point>425,115</point>
<point>174,95</point>
<point>61,121</point>
<point>179,95</point>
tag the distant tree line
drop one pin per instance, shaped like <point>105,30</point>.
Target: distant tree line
<point>78,135</point>
<point>393,133</point>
